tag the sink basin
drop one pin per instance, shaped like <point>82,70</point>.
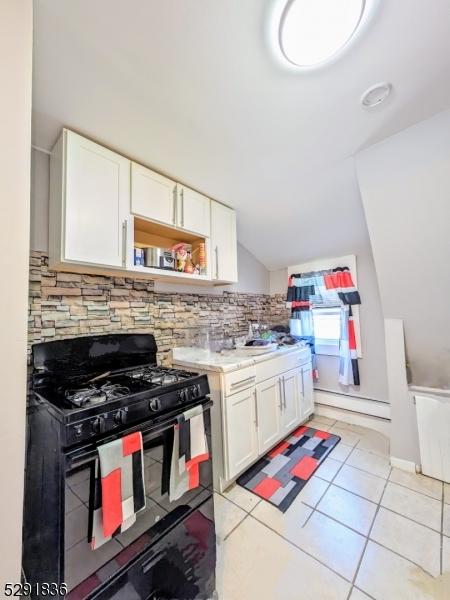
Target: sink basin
<point>250,350</point>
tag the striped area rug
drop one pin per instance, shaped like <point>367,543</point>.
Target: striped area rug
<point>281,474</point>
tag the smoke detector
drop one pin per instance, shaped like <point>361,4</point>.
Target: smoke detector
<point>376,94</point>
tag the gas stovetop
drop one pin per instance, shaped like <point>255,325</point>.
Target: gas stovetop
<point>92,393</point>
<point>107,387</point>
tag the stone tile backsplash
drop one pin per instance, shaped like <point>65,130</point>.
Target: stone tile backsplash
<point>69,304</point>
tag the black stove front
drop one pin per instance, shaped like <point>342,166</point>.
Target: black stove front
<point>86,393</point>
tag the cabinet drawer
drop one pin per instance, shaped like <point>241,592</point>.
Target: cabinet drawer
<point>239,380</point>
<point>276,366</point>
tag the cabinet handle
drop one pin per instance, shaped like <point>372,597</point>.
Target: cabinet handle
<point>124,243</point>
<point>256,409</point>
<point>174,220</point>
<point>284,392</point>
<point>216,250</point>
<point>281,381</point>
<point>182,207</point>
<point>243,381</point>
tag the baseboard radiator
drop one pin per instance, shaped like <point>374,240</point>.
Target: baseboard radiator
<point>433,421</point>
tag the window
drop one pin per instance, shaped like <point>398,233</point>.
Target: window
<point>327,328</point>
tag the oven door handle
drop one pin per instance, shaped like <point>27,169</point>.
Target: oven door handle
<point>152,562</point>
<point>84,455</point>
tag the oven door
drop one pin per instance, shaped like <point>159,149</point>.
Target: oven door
<point>86,571</point>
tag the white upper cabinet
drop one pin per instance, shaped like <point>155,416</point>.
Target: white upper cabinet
<point>223,243</point>
<point>153,196</point>
<point>103,205</point>
<point>193,211</point>
<point>89,203</point>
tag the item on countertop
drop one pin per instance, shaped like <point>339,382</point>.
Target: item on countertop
<point>139,257</point>
<point>257,348</point>
<point>258,342</point>
<point>280,329</point>
<point>160,258</point>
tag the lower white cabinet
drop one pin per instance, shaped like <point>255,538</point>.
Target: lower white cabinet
<point>268,413</point>
<point>240,432</point>
<point>262,415</point>
<point>307,403</point>
<point>291,403</point>
<point>254,408</point>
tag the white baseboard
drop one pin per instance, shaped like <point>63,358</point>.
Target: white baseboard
<point>357,405</point>
<point>404,465</point>
<point>354,418</point>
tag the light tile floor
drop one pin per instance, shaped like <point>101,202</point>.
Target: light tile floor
<point>358,530</point>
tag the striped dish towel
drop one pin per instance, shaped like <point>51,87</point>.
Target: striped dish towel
<point>190,448</point>
<point>118,489</point>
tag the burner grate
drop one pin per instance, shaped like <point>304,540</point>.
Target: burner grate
<point>159,375</point>
<point>95,394</point>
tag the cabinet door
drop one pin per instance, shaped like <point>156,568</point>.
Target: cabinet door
<point>194,211</point>
<point>96,203</point>
<point>291,388</point>
<point>152,195</point>
<point>241,443</point>
<point>223,243</point>
<point>268,413</point>
<point>308,392</point>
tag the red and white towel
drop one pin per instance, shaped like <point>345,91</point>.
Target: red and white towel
<point>190,448</point>
<point>119,489</point>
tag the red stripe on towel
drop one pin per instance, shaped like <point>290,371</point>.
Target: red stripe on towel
<point>194,476</point>
<point>131,443</point>
<point>112,502</point>
<point>197,459</point>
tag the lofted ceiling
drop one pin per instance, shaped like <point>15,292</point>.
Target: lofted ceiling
<point>193,89</point>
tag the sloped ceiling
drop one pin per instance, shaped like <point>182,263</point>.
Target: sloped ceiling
<point>192,88</point>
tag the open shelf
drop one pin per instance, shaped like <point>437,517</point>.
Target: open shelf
<point>149,233</point>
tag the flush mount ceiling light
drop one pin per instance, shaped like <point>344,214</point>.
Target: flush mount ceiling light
<point>376,94</point>
<point>314,31</point>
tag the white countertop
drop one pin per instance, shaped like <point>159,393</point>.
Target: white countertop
<point>229,360</point>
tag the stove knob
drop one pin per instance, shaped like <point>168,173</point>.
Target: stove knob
<point>120,418</point>
<point>194,391</point>
<point>199,390</point>
<point>155,404</point>
<point>78,430</point>
<point>99,425</point>
<point>182,396</point>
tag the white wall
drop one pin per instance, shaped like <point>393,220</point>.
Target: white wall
<point>253,275</point>
<point>405,187</point>
<point>40,186</point>
<point>15,111</point>
<point>372,365</point>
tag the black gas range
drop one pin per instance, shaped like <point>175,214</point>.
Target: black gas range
<point>95,386</point>
<point>87,391</point>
